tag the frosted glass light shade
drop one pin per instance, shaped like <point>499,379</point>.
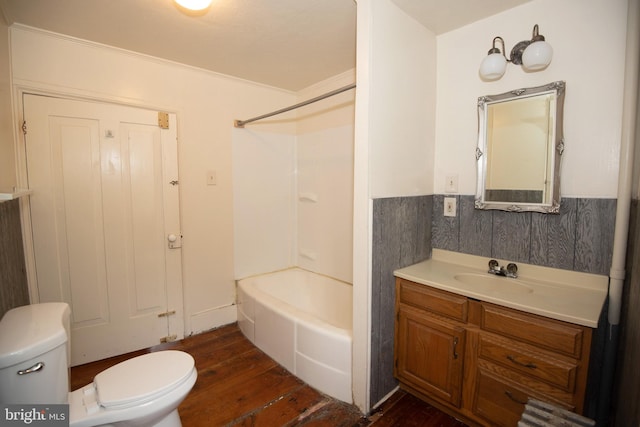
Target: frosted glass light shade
<point>493,66</point>
<point>537,56</point>
<point>194,4</point>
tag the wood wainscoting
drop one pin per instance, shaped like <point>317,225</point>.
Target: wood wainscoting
<point>14,289</point>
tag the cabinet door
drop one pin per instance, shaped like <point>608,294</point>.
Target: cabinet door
<point>429,354</point>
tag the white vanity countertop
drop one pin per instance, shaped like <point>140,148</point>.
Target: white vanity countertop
<point>564,295</point>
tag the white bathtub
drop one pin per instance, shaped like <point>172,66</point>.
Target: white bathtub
<point>303,321</point>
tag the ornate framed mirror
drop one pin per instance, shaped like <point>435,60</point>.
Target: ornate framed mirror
<point>520,144</point>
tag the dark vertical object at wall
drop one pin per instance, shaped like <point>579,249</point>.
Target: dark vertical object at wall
<point>14,289</point>
<point>401,237</point>
<point>626,411</point>
<point>593,394</point>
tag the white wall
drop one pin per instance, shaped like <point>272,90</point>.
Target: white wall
<point>394,142</point>
<point>206,104</point>
<point>588,39</point>
<point>402,104</point>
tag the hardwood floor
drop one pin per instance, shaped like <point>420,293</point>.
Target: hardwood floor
<point>239,385</point>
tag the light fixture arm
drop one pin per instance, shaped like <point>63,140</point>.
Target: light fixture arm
<point>535,37</point>
<point>494,49</point>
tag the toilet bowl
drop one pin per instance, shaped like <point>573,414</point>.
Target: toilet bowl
<point>145,390</point>
<point>34,368</point>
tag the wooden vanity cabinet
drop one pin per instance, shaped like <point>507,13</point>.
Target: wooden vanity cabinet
<point>481,362</point>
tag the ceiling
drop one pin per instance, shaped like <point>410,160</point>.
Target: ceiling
<point>289,44</point>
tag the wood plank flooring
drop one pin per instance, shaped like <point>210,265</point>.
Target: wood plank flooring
<point>239,385</point>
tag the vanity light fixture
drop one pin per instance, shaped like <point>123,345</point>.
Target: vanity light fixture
<point>195,5</point>
<point>533,55</point>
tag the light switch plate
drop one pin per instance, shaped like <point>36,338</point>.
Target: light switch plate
<point>451,184</point>
<point>211,178</point>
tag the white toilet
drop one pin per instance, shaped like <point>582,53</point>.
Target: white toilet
<point>34,368</point>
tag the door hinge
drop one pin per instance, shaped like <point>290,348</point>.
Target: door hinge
<point>163,120</point>
<point>167,313</point>
<point>168,338</point>
<point>24,127</point>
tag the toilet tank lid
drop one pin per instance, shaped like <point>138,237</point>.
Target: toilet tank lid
<point>32,330</point>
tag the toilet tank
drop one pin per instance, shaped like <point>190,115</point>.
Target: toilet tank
<point>34,354</point>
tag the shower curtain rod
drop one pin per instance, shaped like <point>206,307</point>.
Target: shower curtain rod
<point>241,123</point>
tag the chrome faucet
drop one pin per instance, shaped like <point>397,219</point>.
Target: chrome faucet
<point>510,271</point>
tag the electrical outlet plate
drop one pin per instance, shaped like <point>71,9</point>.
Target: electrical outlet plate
<point>450,207</point>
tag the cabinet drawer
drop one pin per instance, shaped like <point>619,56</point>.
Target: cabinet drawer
<point>440,302</point>
<point>546,333</point>
<point>501,402</point>
<point>551,370</point>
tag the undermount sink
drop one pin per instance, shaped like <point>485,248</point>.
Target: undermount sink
<point>493,283</point>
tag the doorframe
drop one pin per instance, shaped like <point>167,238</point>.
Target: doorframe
<point>19,91</point>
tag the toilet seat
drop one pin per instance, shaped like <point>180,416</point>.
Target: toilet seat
<point>135,392</point>
<point>142,378</point>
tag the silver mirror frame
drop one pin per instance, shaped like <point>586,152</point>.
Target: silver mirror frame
<point>554,206</point>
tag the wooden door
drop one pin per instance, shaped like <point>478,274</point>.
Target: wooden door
<point>104,201</point>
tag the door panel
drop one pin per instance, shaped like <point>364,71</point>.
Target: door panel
<point>143,160</point>
<point>104,200</point>
<point>76,174</point>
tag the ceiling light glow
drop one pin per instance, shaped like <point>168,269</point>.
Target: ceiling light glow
<point>194,4</point>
